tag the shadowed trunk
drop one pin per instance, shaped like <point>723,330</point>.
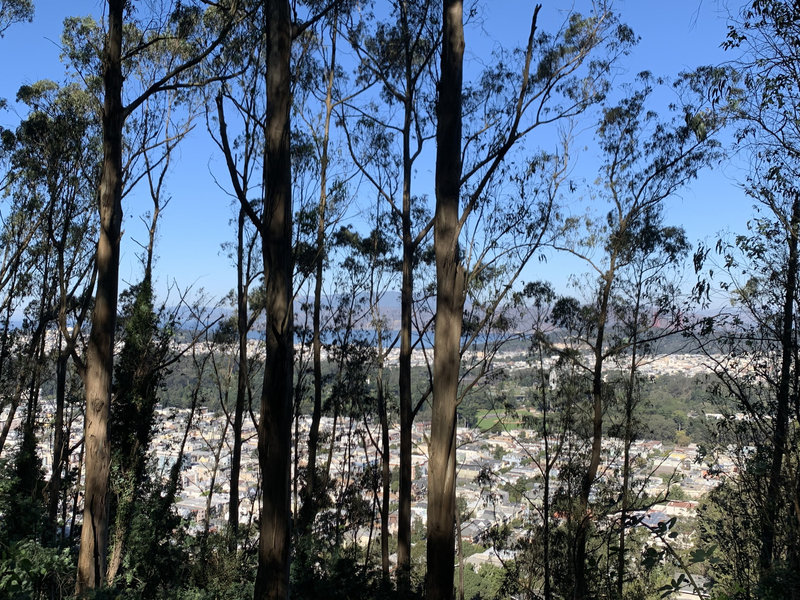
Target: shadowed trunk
<point>241,385</point>
<point>274,427</point>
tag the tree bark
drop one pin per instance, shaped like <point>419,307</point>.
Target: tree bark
<point>449,311</point>
<point>274,427</point>
<point>404,382</point>
<point>241,383</point>
<point>406,303</point>
<point>100,353</point>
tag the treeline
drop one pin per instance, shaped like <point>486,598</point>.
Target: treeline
<point>324,115</point>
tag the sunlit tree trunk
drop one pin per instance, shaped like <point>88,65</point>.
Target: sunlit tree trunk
<point>100,353</point>
<point>449,310</point>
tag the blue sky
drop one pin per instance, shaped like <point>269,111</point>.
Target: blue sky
<point>675,36</point>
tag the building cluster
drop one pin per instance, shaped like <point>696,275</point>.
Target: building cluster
<point>502,476</point>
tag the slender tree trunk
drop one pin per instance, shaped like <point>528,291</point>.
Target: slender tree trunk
<point>54,487</point>
<point>310,502</point>
<point>449,311</point>
<point>627,441</point>
<point>100,352</point>
<point>4,353</point>
<point>626,475</point>
<point>406,409</point>
<point>548,592</point>
<point>213,482</point>
<point>274,427</point>
<point>383,416</point>
<point>12,412</point>
<point>76,491</point>
<point>27,462</point>
<point>459,553</point>
<point>386,475</point>
<point>404,367</point>
<point>581,590</point>
<point>770,517</point>
<point>241,385</point>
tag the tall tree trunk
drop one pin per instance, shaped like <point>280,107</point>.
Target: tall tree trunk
<point>27,462</point>
<point>274,427</point>
<point>241,384</point>
<point>100,352</point>
<point>770,517</point>
<point>406,300</point>
<point>76,491</point>
<point>450,282</point>
<point>406,409</point>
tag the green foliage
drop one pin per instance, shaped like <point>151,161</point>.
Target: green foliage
<point>216,573</point>
<point>485,584</point>
<point>30,571</point>
<point>28,568</point>
<point>21,485</point>
<point>14,11</point>
<point>340,573</point>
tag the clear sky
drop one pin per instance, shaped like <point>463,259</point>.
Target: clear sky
<point>675,36</point>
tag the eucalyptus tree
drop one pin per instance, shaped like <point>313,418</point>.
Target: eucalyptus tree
<point>554,79</point>
<point>755,358</point>
<point>242,159</point>
<point>757,375</point>
<point>271,216</point>
<point>373,256</point>
<point>272,219</point>
<point>168,44</point>
<point>321,205</point>
<point>767,33</point>
<point>147,328</point>
<point>52,166</point>
<point>396,57</point>
<point>61,147</point>
<point>14,11</point>
<point>645,162</point>
<point>355,468</point>
<point>449,307</point>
